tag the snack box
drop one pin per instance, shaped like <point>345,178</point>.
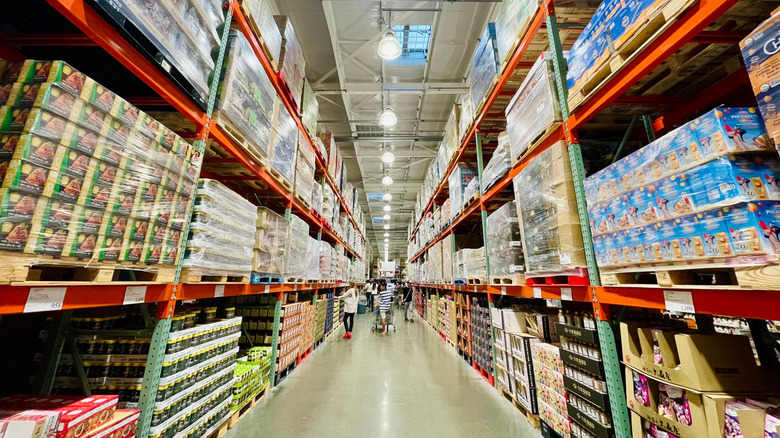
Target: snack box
<point>132,250</point>
<point>762,60</point>
<point>123,425</point>
<point>27,177</point>
<point>715,233</point>
<point>170,254</point>
<point>8,142</point>
<point>137,229</point>
<point>80,245</point>
<point>725,130</point>
<point>108,248</point>
<point>28,423</point>
<point>754,227</point>
<point>728,180</point>
<point>54,98</point>
<point>77,414</point>
<point>13,119</point>
<point>35,71</point>
<point>19,94</point>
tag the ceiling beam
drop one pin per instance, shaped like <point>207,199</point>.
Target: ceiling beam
<point>375,153</point>
<point>390,138</point>
<point>396,88</point>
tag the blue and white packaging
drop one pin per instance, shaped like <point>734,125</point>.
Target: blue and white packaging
<point>725,130</point>
<point>715,234</point>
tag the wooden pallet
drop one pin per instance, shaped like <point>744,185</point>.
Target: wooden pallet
<point>572,277</point>
<point>256,31</point>
<point>537,141</point>
<point>281,179</point>
<point>471,201</point>
<point>722,277</point>
<point>532,418</point>
<point>221,430</point>
<point>516,279</point>
<point>474,280</point>
<point>42,270</point>
<point>306,202</point>
<point>197,275</point>
<point>238,136</point>
<point>266,278</point>
<point>241,413</point>
<point>295,280</point>
<point>643,35</point>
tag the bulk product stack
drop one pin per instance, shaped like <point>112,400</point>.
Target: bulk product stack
<point>292,331</point>
<point>283,146</point>
<point>482,344</point>
<point>252,375</point>
<point>320,316</point>
<point>292,65</point>
<point>499,164</point>
<point>484,66</point>
<point>263,23</point>
<point>271,239</point>
<point>504,246</point>
<point>549,371</point>
<point>458,181</point>
<point>297,251</point>
<point>89,178</point>
<point>221,234</point>
<point>304,173</point>
<point>463,321</point>
<point>257,326</point>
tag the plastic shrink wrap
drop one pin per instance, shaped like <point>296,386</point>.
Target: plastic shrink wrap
<point>328,199</point>
<point>316,197</point>
<point>271,235</point>
<point>460,177</point>
<point>512,21</point>
<point>292,64</point>
<point>451,141</point>
<point>325,261</point>
<point>297,249</point>
<point>446,258</point>
<point>504,242</point>
<point>434,259</point>
<point>467,111</point>
<point>304,173</point>
<point>246,98</point>
<point>259,14</point>
<point>334,255</point>
<point>86,175</point>
<point>484,66</point>
<point>311,109</point>
<point>707,190</point>
<point>547,210</point>
<point>313,260</point>
<point>283,144</point>
<point>185,33</point>
<point>471,190</point>
<point>534,108</point>
<point>474,265</point>
<point>499,163</point>
<point>221,232</point>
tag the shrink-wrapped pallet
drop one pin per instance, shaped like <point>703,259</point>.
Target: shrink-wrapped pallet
<point>304,173</point>
<point>499,163</point>
<point>283,144</point>
<point>474,265</point>
<point>504,242</point>
<point>313,260</point>
<point>511,24</point>
<point>297,250</point>
<point>259,14</point>
<point>484,66</point>
<point>292,64</point>
<point>460,177</point>
<point>311,109</point>
<point>271,236</point>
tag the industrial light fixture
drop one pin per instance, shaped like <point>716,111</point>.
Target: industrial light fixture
<point>386,207</point>
<point>387,240</point>
<point>386,217</point>
<point>388,157</point>
<point>388,119</point>
<point>389,48</point>
<point>386,227</point>
<point>387,196</point>
<point>387,180</point>
<point>387,234</point>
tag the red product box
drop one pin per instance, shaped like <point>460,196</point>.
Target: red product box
<point>123,425</point>
<point>29,424</point>
<point>77,414</point>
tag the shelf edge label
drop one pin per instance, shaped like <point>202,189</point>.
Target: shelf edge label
<point>267,288</point>
<point>537,292</point>
<point>679,301</point>
<point>219,291</point>
<point>566,294</point>
<point>45,299</point>
<point>134,295</point>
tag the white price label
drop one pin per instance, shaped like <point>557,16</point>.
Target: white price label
<point>44,299</point>
<point>679,301</point>
<point>565,258</point>
<point>219,291</point>
<point>134,295</point>
<point>267,288</point>
<point>566,294</point>
<point>475,288</point>
<point>503,290</point>
<point>537,292</point>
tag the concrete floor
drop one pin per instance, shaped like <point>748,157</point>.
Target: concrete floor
<point>405,384</point>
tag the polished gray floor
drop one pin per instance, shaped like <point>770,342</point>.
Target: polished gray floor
<point>405,384</point>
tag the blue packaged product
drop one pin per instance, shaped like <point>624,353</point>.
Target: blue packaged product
<point>669,239</point>
<point>636,251</point>
<point>673,196</point>
<point>725,130</point>
<point>769,213</point>
<point>771,177</point>
<point>754,227</point>
<point>621,210</point>
<point>601,250</point>
<point>728,180</point>
<point>715,233</point>
<point>690,237</point>
<point>620,239</point>
<point>651,243</point>
<point>687,147</point>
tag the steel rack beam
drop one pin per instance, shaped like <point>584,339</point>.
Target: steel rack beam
<point>17,299</point>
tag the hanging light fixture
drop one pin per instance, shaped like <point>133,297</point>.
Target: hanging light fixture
<point>388,48</point>
<point>386,208</point>
<point>387,197</point>
<point>386,227</point>
<point>387,234</point>
<point>387,240</point>
<point>387,180</point>
<point>388,157</point>
<point>386,217</point>
<point>388,119</point>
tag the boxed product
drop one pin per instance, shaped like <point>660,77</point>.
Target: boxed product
<point>271,235</point>
<point>304,172</point>
<point>77,415</point>
<point>474,264</point>
<point>504,242</point>
<point>484,65</point>
<point>310,113</point>
<point>534,108</point>
<point>28,423</point>
<point>292,64</point>
<point>123,425</point>
<point>499,164</point>
<point>551,395</point>
<point>259,13</point>
<point>313,260</point>
<point>511,23</point>
<point>547,210</point>
<point>246,96</point>
<point>296,251</point>
<point>762,62</point>
<point>283,144</point>
<point>459,179</point>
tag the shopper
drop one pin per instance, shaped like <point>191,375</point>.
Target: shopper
<point>408,294</point>
<point>350,298</point>
<point>385,299</point>
<point>369,295</point>
<point>375,293</point>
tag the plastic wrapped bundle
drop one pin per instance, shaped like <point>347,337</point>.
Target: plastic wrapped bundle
<point>451,141</point>
<point>284,143</point>
<point>534,108</point>
<point>484,66</point>
<point>466,115</point>
<point>292,64</point>
<point>325,261</point>
<point>446,258</point>
<point>313,262</point>
<point>221,232</point>
<point>547,209</point>
<point>185,33</point>
<point>458,180</point>
<point>328,201</point>
<point>504,242</point>
<point>246,98</point>
<point>316,197</point>
<point>87,176</point>
<point>511,23</point>
<point>499,163</point>
<point>272,231</point>
<point>434,258</point>
<point>471,190</point>
<point>304,173</point>
<point>311,109</point>
<point>297,249</point>
<point>259,14</point>
<point>474,265</point>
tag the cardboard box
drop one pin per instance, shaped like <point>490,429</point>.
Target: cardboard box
<point>29,424</point>
<point>123,425</point>
<point>703,362</point>
<point>514,321</point>
<point>763,61</point>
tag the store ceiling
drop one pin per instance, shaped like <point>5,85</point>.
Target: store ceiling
<point>339,40</point>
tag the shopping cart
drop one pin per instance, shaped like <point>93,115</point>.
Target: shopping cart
<point>377,327</point>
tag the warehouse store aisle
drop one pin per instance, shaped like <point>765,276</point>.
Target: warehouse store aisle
<point>407,384</point>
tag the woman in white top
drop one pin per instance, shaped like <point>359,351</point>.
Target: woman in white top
<point>350,298</point>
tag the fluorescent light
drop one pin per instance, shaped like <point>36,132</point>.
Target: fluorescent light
<point>387,196</point>
<point>388,48</point>
<point>387,234</point>
<point>388,157</point>
<point>386,217</point>
<point>388,119</point>
<point>386,208</point>
<point>386,240</point>
<point>387,180</point>
<point>387,227</point>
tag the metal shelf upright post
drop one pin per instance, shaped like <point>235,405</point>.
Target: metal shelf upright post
<point>483,212</point>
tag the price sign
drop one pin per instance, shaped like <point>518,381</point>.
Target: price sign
<point>475,288</point>
<point>503,290</point>
<point>566,294</point>
<point>219,291</point>
<point>134,295</point>
<point>44,299</point>
<point>267,288</point>
<point>679,301</point>
<point>537,292</point>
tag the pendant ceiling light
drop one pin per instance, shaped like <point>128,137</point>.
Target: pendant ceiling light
<point>386,208</point>
<point>387,180</point>
<point>388,157</point>
<point>387,227</point>
<point>388,48</point>
<point>388,119</point>
<point>387,196</point>
<point>387,240</point>
<point>387,234</point>
<point>386,217</point>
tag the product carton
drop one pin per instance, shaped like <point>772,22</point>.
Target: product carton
<point>760,51</point>
<point>702,362</point>
<point>29,424</point>
<point>123,425</point>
